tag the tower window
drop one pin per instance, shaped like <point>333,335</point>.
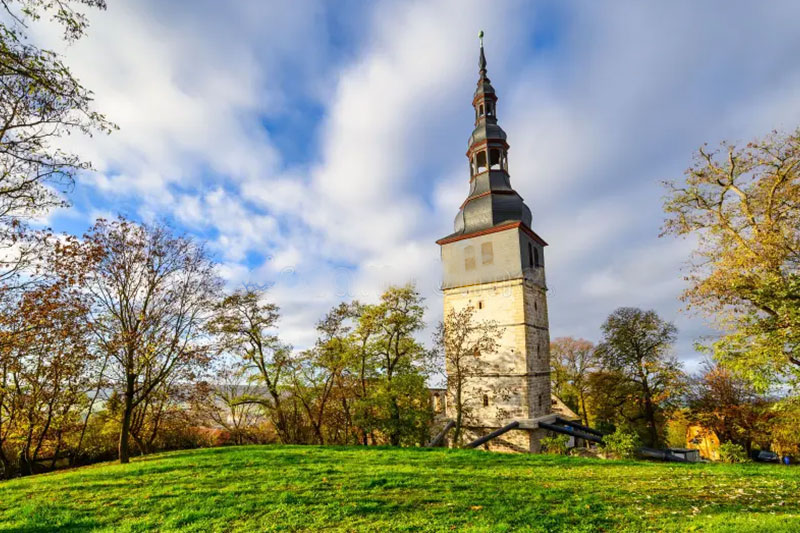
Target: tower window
<point>530,254</point>
<point>480,110</point>
<point>486,400</point>
<point>536,257</point>
<point>480,161</point>
<point>487,254</point>
<point>469,258</point>
<point>494,159</point>
<point>480,304</point>
<point>541,400</point>
<point>490,108</point>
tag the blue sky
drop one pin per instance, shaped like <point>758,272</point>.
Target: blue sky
<point>319,146</point>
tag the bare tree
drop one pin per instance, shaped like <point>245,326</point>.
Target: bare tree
<point>152,292</point>
<point>461,340</point>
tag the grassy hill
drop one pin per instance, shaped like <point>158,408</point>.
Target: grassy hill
<point>294,488</point>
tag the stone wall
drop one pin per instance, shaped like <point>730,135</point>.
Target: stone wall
<point>513,382</point>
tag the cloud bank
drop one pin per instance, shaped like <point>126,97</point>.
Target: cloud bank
<point>319,147</point>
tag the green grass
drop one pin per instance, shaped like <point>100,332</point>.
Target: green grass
<point>308,488</point>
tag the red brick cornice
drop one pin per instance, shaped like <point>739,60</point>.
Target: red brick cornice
<point>522,227</point>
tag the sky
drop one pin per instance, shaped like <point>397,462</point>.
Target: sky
<point>318,147</point>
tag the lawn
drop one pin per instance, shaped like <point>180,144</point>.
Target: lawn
<point>308,488</point>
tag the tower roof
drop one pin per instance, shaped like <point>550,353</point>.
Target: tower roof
<point>492,204</point>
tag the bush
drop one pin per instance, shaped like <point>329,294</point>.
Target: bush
<point>621,444</point>
<point>731,453</point>
<point>556,445</point>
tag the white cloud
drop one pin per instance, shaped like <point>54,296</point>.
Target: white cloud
<point>617,102</point>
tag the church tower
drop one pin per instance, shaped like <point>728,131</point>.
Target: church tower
<point>494,262</point>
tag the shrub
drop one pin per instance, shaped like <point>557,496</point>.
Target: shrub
<point>621,444</point>
<point>730,452</point>
<point>556,445</point>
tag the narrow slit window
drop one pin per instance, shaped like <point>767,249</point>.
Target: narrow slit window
<point>486,400</point>
<point>480,305</point>
<point>530,254</point>
<point>536,257</point>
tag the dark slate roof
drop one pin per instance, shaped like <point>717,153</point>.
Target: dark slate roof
<point>491,201</point>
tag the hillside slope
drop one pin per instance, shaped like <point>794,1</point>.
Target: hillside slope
<point>294,488</point>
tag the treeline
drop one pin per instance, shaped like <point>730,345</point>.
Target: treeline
<point>630,381</point>
<point>126,339</point>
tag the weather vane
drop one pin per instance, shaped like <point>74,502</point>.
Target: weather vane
<point>480,36</point>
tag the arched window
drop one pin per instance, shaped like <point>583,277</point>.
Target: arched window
<point>494,159</point>
<point>480,161</point>
<point>486,400</point>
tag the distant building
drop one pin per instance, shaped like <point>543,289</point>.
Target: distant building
<point>494,262</point>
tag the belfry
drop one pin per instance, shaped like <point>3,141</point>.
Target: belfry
<point>494,262</point>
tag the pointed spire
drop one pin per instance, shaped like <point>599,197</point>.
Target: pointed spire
<point>482,60</point>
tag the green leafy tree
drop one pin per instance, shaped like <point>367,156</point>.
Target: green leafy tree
<point>742,205</point>
<point>245,326</point>
<point>401,408</point>
<point>635,353</point>
<point>572,362</point>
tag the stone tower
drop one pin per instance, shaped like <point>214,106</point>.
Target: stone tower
<point>494,262</point>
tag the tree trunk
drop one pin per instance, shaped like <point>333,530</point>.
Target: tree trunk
<point>124,434</point>
<point>459,416</point>
<point>650,415</point>
<point>6,464</point>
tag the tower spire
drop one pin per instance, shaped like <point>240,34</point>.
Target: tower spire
<point>482,60</point>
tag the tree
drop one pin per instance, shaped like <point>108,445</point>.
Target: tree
<point>635,352</point>
<point>729,405</point>
<point>225,403</point>
<point>40,102</point>
<point>572,361</point>
<point>245,326</point>
<point>42,372</point>
<point>461,340</point>
<point>401,397</point>
<point>743,207</point>
<point>326,372</point>
<point>151,295</point>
